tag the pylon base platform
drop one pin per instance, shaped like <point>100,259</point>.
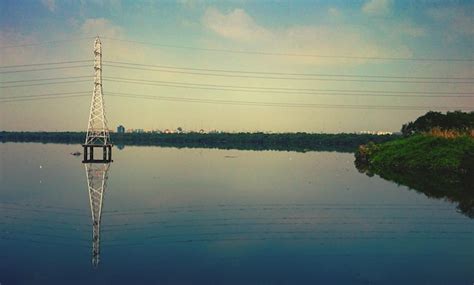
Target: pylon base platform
<point>89,153</point>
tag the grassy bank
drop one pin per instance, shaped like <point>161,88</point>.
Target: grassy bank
<point>436,166</point>
<point>421,152</point>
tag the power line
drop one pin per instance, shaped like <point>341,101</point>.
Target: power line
<point>283,104</point>
<point>284,73</point>
<point>294,78</point>
<point>291,54</point>
<point>41,98</point>
<point>46,63</point>
<point>305,89</point>
<point>46,68</point>
<point>244,51</point>
<point>45,83</point>
<point>41,95</point>
<point>250,89</point>
<point>46,43</point>
<point>46,79</point>
<point>161,67</point>
<point>235,88</point>
<point>250,103</point>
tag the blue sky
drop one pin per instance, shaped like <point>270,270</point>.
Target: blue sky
<point>373,28</point>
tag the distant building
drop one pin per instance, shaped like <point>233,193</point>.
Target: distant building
<point>135,131</point>
<point>379,133</point>
<point>120,129</point>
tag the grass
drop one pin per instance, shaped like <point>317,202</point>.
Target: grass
<point>425,152</point>
<point>448,134</point>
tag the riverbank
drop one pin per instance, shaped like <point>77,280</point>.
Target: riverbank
<point>435,166</point>
<point>420,152</point>
<point>300,142</point>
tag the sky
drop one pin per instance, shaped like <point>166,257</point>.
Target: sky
<point>339,51</point>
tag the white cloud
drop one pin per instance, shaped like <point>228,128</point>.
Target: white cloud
<point>113,6</point>
<point>116,50</point>
<point>12,56</point>
<point>238,26</point>
<point>100,26</point>
<point>190,4</point>
<point>50,4</point>
<point>411,30</point>
<point>377,7</point>
<point>235,25</point>
<point>458,20</point>
<point>73,22</point>
<point>403,28</point>
<point>334,12</point>
<point>341,40</point>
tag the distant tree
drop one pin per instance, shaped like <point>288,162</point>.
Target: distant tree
<point>457,120</point>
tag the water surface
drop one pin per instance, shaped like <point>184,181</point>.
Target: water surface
<point>221,216</point>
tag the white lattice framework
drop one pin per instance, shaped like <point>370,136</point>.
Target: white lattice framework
<point>97,175</point>
<point>97,130</point>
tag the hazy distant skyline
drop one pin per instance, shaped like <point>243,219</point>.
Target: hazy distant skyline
<point>186,31</point>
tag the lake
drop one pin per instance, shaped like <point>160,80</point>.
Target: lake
<point>208,216</point>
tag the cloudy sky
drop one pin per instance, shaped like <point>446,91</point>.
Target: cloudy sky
<point>308,65</point>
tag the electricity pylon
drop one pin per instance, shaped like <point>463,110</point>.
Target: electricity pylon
<point>97,137</point>
<point>97,174</point>
<point>97,131</point>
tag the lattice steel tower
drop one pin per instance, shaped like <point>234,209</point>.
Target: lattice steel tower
<point>97,131</point>
<point>97,175</point>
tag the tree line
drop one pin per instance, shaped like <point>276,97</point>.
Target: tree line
<point>301,142</point>
<point>462,122</point>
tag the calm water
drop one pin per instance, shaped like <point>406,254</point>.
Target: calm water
<point>192,216</point>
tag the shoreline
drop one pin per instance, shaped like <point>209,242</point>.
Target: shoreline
<point>435,166</point>
<point>300,142</point>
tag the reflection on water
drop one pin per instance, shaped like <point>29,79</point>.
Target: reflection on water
<point>453,187</point>
<point>97,175</point>
<point>204,216</point>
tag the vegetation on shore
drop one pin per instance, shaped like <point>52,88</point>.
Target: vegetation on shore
<point>434,157</point>
<point>435,142</point>
<point>445,172</point>
<point>457,122</point>
<point>423,152</point>
<point>300,142</point>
